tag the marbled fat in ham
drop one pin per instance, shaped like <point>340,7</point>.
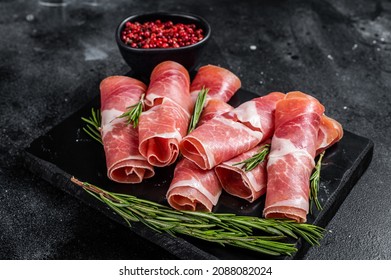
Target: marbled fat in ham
<point>291,159</point>
<point>193,188</point>
<point>213,108</point>
<point>248,185</point>
<point>169,108</point>
<point>231,133</point>
<point>120,141</point>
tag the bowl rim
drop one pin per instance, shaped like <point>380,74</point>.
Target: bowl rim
<point>207,31</point>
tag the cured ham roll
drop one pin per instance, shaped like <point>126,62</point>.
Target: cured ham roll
<point>330,132</point>
<point>231,133</point>
<point>169,80</point>
<point>213,108</point>
<point>169,109</point>
<point>192,188</point>
<point>248,185</point>
<point>221,82</point>
<point>291,159</point>
<point>124,162</point>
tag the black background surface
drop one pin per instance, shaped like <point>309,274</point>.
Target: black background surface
<point>52,60</point>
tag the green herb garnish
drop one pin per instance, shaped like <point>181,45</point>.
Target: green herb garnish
<point>314,185</point>
<point>133,112</point>
<point>252,162</point>
<point>93,125</point>
<point>220,228</point>
<point>198,107</point>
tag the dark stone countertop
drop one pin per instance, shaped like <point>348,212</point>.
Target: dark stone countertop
<point>338,51</point>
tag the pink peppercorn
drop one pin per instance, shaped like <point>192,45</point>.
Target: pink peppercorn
<point>158,34</point>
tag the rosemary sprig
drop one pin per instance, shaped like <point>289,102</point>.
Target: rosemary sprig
<point>133,112</point>
<point>93,125</point>
<point>198,107</point>
<point>224,229</point>
<point>252,162</point>
<point>314,185</point>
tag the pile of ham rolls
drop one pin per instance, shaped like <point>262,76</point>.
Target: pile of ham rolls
<point>206,160</point>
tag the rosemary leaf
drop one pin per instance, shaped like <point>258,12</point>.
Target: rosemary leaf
<point>314,184</point>
<point>198,107</point>
<point>133,112</point>
<point>93,125</point>
<point>252,162</point>
<point>223,229</point>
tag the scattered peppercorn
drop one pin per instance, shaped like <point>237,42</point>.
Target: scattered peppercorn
<point>158,34</point>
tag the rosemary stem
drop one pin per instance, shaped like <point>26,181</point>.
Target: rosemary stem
<point>223,229</point>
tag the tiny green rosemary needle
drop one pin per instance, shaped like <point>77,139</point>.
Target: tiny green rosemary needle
<point>252,162</point>
<point>198,107</point>
<point>133,112</point>
<point>93,124</point>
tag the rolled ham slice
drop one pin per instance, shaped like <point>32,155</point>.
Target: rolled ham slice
<point>124,162</point>
<point>330,132</point>
<point>251,185</point>
<point>248,185</point>
<point>213,108</point>
<point>192,188</point>
<point>231,133</point>
<point>169,108</point>
<point>222,83</point>
<point>291,159</point>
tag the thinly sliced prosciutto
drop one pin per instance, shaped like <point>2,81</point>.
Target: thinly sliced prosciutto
<point>193,188</point>
<point>291,159</point>
<point>164,124</point>
<point>231,133</point>
<point>221,82</point>
<point>250,185</point>
<point>213,108</point>
<point>330,132</point>
<point>124,162</point>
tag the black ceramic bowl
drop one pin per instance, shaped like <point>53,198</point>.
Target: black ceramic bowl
<point>142,61</point>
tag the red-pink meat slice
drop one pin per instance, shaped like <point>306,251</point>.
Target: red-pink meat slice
<point>213,108</point>
<point>231,133</point>
<point>161,129</point>
<point>330,132</point>
<point>193,188</point>
<point>163,125</point>
<point>169,80</point>
<point>124,162</point>
<point>235,180</point>
<point>291,159</point>
<point>221,82</point>
<point>251,185</point>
